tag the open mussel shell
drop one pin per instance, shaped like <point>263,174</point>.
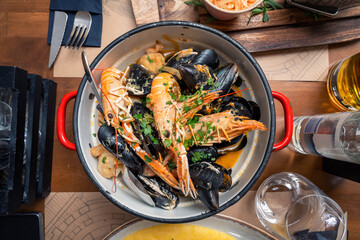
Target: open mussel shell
<point>235,144</point>
<point>209,178</point>
<point>139,80</point>
<point>196,76</point>
<point>239,106</point>
<point>160,192</point>
<point>117,145</point>
<point>206,57</point>
<point>146,130</point>
<point>181,57</point>
<point>226,76</point>
<point>197,154</point>
<point>255,110</point>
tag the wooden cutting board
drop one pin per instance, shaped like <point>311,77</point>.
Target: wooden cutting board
<point>287,28</point>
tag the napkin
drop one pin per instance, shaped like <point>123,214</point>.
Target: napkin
<point>70,7</point>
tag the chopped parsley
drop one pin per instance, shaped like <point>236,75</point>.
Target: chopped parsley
<point>150,61</point>
<point>94,134</point>
<point>171,164</point>
<point>103,160</point>
<point>147,159</point>
<point>167,142</point>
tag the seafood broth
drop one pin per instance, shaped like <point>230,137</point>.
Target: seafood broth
<point>252,155</point>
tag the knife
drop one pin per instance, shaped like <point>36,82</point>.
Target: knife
<point>60,19</point>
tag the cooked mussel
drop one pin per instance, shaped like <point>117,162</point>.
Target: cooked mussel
<point>255,110</point>
<point>198,154</point>
<point>206,57</point>
<point>181,57</point>
<point>196,76</point>
<point>235,144</point>
<point>145,130</point>
<point>226,76</point>
<point>239,106</point>
<point>117,145</point>
<point>160,192</point>
<point>139,80</point>
<point>209,178</point>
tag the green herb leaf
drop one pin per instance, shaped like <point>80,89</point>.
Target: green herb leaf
<point>167,142</point>
<point>147,159</point>
<point>150,61</point>
<point>94,134</point>
<point>168,102</point>
<point>138,116</point>
<point>103,160</point>
<point>195,3</point>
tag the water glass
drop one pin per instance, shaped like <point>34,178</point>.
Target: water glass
<point>292,207</point>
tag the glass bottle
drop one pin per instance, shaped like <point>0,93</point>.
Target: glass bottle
<point>334,135</point>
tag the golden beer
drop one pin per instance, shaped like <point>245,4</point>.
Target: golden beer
<point>343,83</point>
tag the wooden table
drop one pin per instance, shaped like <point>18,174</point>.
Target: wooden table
<point>23,32</point>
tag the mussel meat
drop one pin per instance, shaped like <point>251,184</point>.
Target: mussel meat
<point>144,122</point>
<point>210,178</point>
<point>160,192</point>
<point>139,80</point>
<point>110,139</point>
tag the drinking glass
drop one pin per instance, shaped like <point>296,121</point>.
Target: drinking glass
<point>286,202</point>
<point>343,83</point>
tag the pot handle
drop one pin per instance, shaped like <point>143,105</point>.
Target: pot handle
<point>288,117</point>
<point>60,122</point>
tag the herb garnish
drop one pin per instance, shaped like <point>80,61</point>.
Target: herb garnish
<point>147,159</point>
<point>268,5</point>
<point>150,61</point>
<point>103,160</point>
<point>195,3</point>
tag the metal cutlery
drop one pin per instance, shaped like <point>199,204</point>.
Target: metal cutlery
<point>60,19</point>
<point>130,180</point>
<point>80,30</point>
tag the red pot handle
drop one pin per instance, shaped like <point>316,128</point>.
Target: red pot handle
<point>60,125</point>
<point>288,117</point>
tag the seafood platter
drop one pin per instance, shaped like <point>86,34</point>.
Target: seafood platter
<point>186,111</point>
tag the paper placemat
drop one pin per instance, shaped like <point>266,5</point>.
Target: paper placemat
<point>117,20</point>
<point>298,64</point>
<point>81,215</point>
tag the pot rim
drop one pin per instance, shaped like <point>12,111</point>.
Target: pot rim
<point>272,124</point>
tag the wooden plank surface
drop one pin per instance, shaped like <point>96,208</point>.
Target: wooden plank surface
<point>145,11</point>
<point>341,30</point>
<point>280,17</point>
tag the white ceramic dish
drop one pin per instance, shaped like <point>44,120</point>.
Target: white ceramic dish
<point>234,227</point>
<point>223,14</point>
<point>126,50</point>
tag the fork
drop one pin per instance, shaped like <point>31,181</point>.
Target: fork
<point>80,30</point>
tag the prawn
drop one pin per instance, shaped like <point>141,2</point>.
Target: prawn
<point>168,111</point>
<point>222,126</point>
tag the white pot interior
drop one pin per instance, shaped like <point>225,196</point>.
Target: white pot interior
<point>128,51</point>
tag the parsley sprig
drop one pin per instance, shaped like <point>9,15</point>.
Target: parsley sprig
<point>195,3</point>
<point>268,5</point>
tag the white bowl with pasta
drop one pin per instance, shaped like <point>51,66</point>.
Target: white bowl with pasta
<point>229,9</point>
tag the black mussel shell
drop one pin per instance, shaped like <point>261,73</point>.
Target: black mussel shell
<point>239,106</point>
<point>238,81</point>
<point>198,154</point>
<point>207,57</point>
<point>143,119</point>
<point>207,175</point>
<point>107,137</point>
<point>255,110</point>
<point>160,192</point>
<point>226,76</point>
<point>210,198</point>
<point>183,56</point>
<point>227,182</point>
<point>196,76</point>
<point>235,144</point>
<point>139,79</point>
